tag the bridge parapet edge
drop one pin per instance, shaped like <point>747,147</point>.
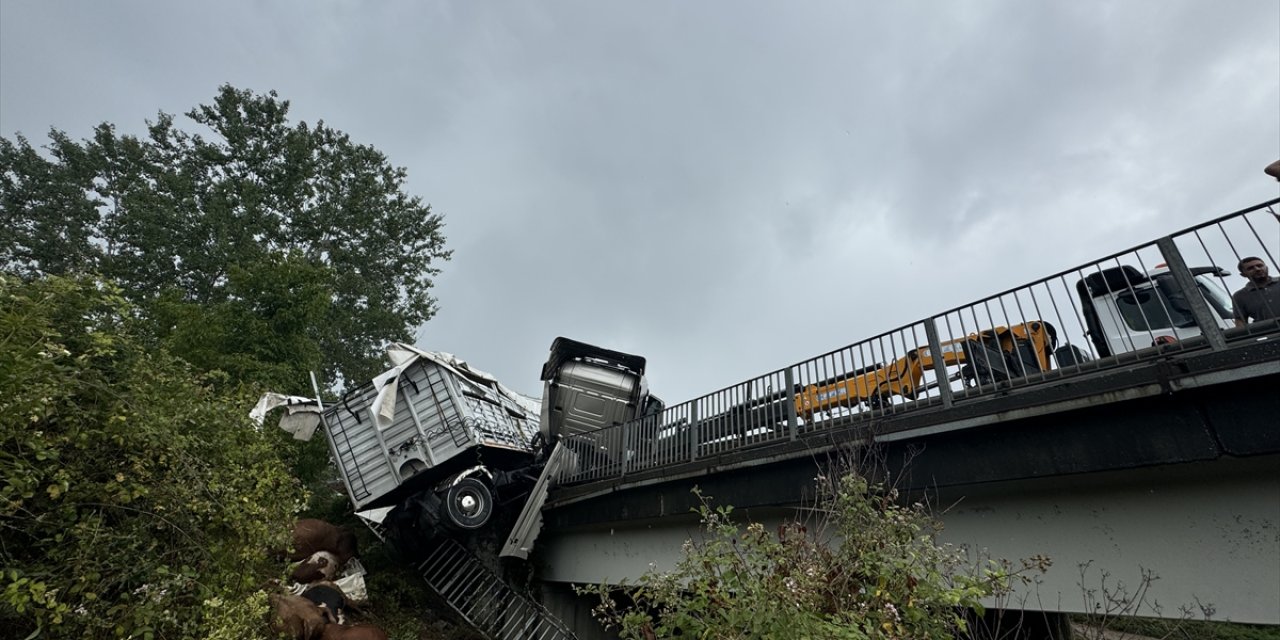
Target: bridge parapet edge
<point>1189,407</point>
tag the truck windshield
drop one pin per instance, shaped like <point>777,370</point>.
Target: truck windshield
<point>1163,306</point>
<point>1150,308</point>
<point>1218,297</point>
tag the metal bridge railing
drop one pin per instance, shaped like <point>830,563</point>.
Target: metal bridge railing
<point>1167,296</point>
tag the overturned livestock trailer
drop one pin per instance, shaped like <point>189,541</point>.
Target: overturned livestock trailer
<point>437,432</point>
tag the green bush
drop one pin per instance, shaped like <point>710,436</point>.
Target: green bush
<point>135,499</point>
<point>870,569</point>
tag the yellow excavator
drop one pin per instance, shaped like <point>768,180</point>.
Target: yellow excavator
<point>991,355</point>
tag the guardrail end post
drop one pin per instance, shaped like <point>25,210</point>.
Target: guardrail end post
<point>939,367</point>
<point>793,422</point>
<point>693,430</point>
<point>1200,311</point>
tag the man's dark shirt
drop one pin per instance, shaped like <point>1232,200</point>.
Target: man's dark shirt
<point>1258,302</point>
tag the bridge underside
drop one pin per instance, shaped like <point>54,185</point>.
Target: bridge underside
<point>1166,467</point>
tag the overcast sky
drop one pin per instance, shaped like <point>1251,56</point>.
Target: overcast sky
<point>723,187</point>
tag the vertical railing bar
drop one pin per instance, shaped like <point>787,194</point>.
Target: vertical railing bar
<point>939,367</point>
<point>900,361</point>
<point>1115,313</point>
<point>1079,316</point>
<point>991,324</point>
<point>623,447</point>
<point>846,359</point>
<point>1226,236</point>
<point>1051,343</point>
<point>890,356</point>
<point>693,430</point>
<point>1039,317</point>
<point>951,337</point>
<point>1013,357</point>
<point>793,423</point>
<point>964,330</point>
<point>1209,254</point>
<point>1266,252</point>
<point>827,370</point>
<point>1022,317</point>
<point>1057,313</point>
<point>1155,291</point>
<point>915,341</point>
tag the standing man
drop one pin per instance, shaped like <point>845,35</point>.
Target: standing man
<point>1260,299</point>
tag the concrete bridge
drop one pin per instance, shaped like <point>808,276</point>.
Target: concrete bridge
<point>1168,464</point>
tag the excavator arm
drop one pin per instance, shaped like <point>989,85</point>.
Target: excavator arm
<point>997,353</point>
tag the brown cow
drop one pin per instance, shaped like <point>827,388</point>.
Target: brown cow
<point>322,565</point>
<point>353,632</point>
<point>330,598</point>
<point>297,616</point>
<point>311,535</point>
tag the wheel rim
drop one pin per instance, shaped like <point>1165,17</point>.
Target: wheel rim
<point>469,504</point>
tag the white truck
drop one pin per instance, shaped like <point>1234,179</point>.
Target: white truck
<point>1126,309</point>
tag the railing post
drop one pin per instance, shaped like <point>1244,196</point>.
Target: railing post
<point>939,367</point>
<point>1200,310</point>
<point>622,447</point>
<point>789,382</point>
<point>693,430</point>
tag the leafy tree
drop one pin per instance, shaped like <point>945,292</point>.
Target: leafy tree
<point>135,499</point>
<point>261,248</point>
<point>871,569</point>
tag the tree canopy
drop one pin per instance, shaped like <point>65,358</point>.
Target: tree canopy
<point>258,247</point>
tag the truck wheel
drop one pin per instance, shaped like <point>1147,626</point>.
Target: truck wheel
<point>876,401</point>
<point>468,504</point>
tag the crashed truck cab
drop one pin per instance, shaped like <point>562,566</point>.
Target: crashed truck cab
<point>586,389</point>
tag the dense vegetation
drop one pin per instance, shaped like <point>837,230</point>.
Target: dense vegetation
<point>866,567</point>
<point>135,498</point>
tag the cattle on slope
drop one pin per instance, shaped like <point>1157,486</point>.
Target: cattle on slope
<point>311,535</point>
<point>329,597</point>
<point>353,632</point>
<point>299,617</point>
<point>321,565</point>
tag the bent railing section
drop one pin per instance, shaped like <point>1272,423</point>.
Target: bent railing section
<point>1168,296</point>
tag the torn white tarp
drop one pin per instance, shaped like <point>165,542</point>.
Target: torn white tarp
<point>350,581</point>
<point>303,414</point>
<point>384,404</point>
<point>402,355</point>
<point>301,417</point>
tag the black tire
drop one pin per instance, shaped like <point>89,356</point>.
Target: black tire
<point>877,402</point>
<point>468,504</point>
